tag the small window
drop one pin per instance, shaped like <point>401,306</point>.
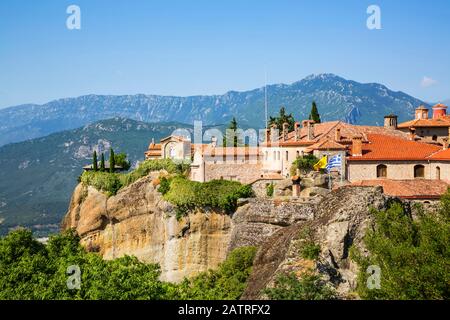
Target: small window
<point>287,155</point>
<point>434,138</point>
<point>438,173</point>
<point>381,171</point>
<point>419,171</point>
<point>298,153</point>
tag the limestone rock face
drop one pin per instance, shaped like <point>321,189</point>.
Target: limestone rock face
<point>137,221</point>
<point>340,221</point>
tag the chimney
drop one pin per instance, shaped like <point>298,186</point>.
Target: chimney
<point>310,131</point>
<point>267,136</point>
<point>337,135</point>
<point>391,121</point>
<point>412,134</point>
<point>439,111</point>
<point>421,113</point>
<point>285,131</point>
<point>357,146</point>
<point>297,131</point>
<point>274,133</point>
<point>445,143</point>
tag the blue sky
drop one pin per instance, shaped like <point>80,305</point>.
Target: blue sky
<point>175,47</point>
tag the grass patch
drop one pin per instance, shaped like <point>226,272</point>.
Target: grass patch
<point>222,194</point>
<point>111,183</point>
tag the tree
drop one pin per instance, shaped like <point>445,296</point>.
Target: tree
<point>314,115</point>
<point>121,160</point>
<point>411,253</point>
<point>281,119</point>
<point>232,129</point>
<point>309,287</point>
<point>112,161</point>
<point>94,162</point>
<point>102,163</point>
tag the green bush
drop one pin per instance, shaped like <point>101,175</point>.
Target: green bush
<point>31,270</point>
<point>111,183</point>
<point>222,194</point>
<point>270,189</point>
<point>308,287</point>
<point>305,164</point>
<point>226,283</point>
<point>164,185</point>
<point>413,254</point>
<point>310,250</point>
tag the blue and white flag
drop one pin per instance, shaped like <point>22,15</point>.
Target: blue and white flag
<point>334,162</point>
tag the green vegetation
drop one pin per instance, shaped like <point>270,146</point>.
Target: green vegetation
<point>308,248</point>
<point>94,162</point>
<point>121,161</point>
<point>226,283</point>
<point>270,189</point>
<point>281,119</point>
<point>222,194</point>
<point>232,128</point>
<point>314,113</point>
<point>308,287</point>
<point>413,254</point>
<point>111,183</point>
<point>112,161</point>
<point>32,270</point>
<point>102,163</point>
<point>305,164</point>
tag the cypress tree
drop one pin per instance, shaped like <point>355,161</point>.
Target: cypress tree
<point>314,113</point>
<point>102,162</point>
<point>112,161</point>
<point>94,162</point>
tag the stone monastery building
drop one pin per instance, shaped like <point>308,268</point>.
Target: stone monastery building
<point>409,160</point>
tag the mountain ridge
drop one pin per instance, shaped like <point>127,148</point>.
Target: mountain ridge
<point>337,99</point>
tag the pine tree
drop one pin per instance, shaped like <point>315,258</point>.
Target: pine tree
<point>314,113</point>
<point>102,163</point>
<point>282,118</point>
<point>233,127</point>
<point>94,162</point>
<point>112,161</point>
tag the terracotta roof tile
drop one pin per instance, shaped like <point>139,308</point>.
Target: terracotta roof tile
<point>383,147</point>
<point>409,189</point>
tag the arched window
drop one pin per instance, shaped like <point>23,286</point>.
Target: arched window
<point>274,155</point>
<point>287,155</point>
<point>381,171</point>
<point>298,153</point>
<point>438,173</point>
<point>419,171</point>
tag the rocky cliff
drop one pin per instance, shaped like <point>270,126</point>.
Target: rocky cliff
<point>340,221</point>
<point>137,221</point>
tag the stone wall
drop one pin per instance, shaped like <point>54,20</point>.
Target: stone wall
<point>242,172</point>
<point>399,170</point>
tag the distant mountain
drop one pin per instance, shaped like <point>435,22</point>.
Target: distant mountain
<point>38,176</point>
<point>337,99</point>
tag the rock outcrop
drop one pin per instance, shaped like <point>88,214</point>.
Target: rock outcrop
<point>340,221</point>
<point>138,221</point>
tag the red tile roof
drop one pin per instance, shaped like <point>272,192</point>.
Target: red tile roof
<point>409,189</point>
<point>383,147</point>
<point>420,123</point>
<point>441,155</point>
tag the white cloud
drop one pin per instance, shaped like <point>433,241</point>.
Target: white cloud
<point>427,82</point>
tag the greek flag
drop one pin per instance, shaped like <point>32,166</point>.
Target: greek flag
<point>334,162</point>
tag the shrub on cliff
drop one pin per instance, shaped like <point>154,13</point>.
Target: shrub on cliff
<point>31,270</point>
<point>304,164</point>
<point>226,283</point>
<point>308,287</point>
<point>222,194</point>
<point>411,255</point>
<point>113,182</point>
